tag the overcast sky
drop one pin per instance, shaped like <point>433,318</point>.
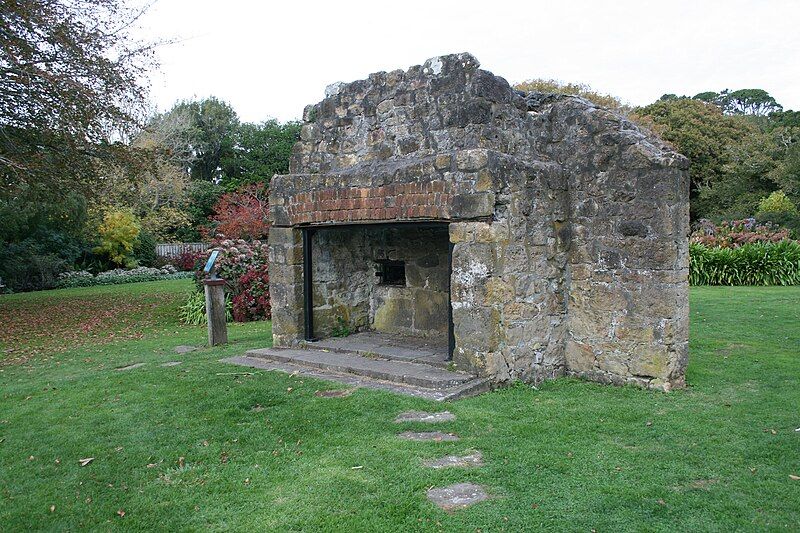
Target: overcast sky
<point>270,59</point>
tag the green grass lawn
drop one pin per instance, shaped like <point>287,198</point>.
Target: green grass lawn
<point>203,445</point>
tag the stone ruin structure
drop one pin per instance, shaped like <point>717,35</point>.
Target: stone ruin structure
<point>539,235</point>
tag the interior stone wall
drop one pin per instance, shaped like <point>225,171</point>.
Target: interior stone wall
<point>348,293</point>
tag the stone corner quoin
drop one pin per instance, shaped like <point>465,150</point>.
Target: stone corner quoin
<point>569,224</point>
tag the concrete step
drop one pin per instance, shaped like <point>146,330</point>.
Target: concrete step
<point>394,347</point>
<point>416,374</point>
<point>472,387</point>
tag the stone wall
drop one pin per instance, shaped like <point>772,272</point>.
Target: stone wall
<point>569,223</point>
<point>348,294</point>
<point>628,311</point>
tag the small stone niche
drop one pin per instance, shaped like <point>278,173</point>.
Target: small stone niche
<point>391,272</point>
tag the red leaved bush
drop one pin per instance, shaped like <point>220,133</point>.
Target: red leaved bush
<point>243,213</point>
<point>188,261</point>
<point>252,301</point>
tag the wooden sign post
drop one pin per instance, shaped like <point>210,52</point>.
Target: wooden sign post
<point>215,303</point>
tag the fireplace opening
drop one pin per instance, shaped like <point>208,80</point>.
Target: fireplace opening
<point>392,279</point>
<point>391,273</point>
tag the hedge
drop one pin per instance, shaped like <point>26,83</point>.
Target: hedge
<point>82,278</point>
<point>759,263</point>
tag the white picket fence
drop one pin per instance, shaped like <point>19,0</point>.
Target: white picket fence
<point>177,248</point>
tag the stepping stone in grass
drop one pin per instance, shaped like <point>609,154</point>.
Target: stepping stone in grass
<point>130,367</point>
<point>184,349</point>
<point>337,393</point>
<point>171,363</point>
<point>457,496</point>
<point>422,416</point>
<point>463,461</point>
<point>436,436</point>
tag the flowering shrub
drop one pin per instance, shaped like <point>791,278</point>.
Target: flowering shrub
<point>235,258</point>
<point>252,301</point>
<point>736,233</point>
<point>79,278</point>
<point>245,268</point>
<point>83,278</point>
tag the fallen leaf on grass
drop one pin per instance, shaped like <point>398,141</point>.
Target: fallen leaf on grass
<point>121,513</point>
<point>181,462</point>
<point>52,508</point>
<point>151,465</point>
<point>793,477</point>
<point>86,461</point>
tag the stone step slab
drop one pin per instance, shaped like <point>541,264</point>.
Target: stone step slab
<point>416,374</point>
<point>436,436</point>
<point>469,388</point>
<point>422,416</point>
<point>455,461</point>
<point>130,367</point>
<point>458,496</point>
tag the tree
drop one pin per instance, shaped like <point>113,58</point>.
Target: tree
<point>745,177</point>
<point>199,135</point>
<point>244,213</point>
<point>203,196</point>
<point>756,102</point>
<point>259,152</point>
<point>118,234</point>
<point>753,102</point>
<point>707,137</point>
<point>710,97</point>
<point>70,87</point>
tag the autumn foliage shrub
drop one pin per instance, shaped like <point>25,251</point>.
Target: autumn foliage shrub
<point>118,234</point>
<point>243,213</point>
<point>189,261</point>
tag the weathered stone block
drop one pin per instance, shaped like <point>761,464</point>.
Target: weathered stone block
<point>476,205</point>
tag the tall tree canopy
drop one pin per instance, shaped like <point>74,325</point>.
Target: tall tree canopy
<point>260,151</point>
<point>753,102</point>
<point>70,86</point>
<point>712,141</point>
<point>198,135</point>
<point>206,139</point>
